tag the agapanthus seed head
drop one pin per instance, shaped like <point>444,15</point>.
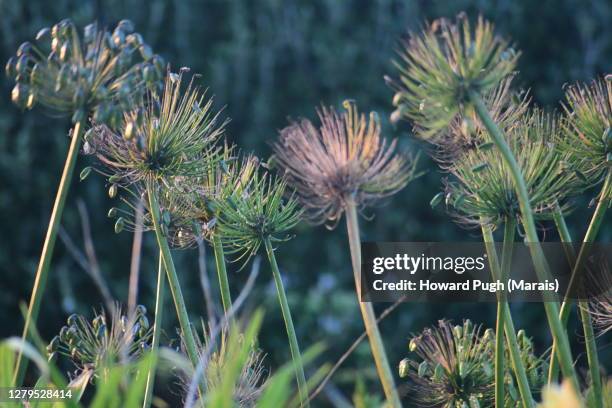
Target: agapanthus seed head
<point>99,72</point>
<point>482,190</point>
<point>438,67</point>
<point>346,158</point>
<point>173,136</point>
<point>587,134</point>
<point>452,366</point>
<point>260,210</point>
<point>105,341</point>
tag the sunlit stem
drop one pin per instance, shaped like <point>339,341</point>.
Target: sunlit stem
<point>367,311</point>
<point>509,330</point>
<point>551,306</point>
<point>175,288</point>
<point>293,342</point>
<point>157,328</point>
<point>42,273</point>
<point>587,324</point>
<point>226,297</point>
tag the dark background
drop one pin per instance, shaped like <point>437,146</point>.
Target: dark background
<point>266,61</point>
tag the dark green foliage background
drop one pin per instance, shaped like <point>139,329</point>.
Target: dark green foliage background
<point>266,61</point>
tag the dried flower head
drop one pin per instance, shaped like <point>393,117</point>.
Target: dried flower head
<point>174,136</point>
<point>441,65</point>
<point>101,71</point>
<point>587,132</point>
<point>259,211</point>
<point>454,367</point>
<point>483,188</point>
<point>345,159</point>
<point>220,356</point>
<point>103,342</point>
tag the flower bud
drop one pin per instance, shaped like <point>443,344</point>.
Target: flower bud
<point>22,64</point>
<point>112,190</point>
<point>10,67</point>
<point>112,213</point>
<point>423,367</point>
<point>19,95</point>
<point>85,173</point>
<point>145,52</point>
<point>126,26</point>
<point>404,367</point>
<point>24,49</point>
<point>412,346</point>
<point>119,225</point>
<point>437,199</point>
<point>42,33</point>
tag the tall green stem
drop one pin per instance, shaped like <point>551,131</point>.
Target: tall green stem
<point>367,311</point>
<point>541,266</point>
<point>509,330</point>
<point>42,273</point>
<point>587,324</point>
<point>226,297</point>
<point>175,288</point>
<point>160,295</point>
<point>293,342</point>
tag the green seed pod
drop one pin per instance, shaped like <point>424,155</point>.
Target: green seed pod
<point>520,336</point>
<point>438,372</point>
<point>404,367</point>
<point>115,178</point>
<point>85,173</point>
<point>112,213</point>
<point>112,191</point>
<point>21,66</point>
<point>458,331</point>
<point>141,310</point>
<point>412,346</point>
<point>53,345</point>
<point>436,200</point>
<point>474,402</point>
<point>126,26</point>
<point>19,95</point>
<point>24,49</point>
<point>397,99</point>
<point>423,367</point>
<point>487,370</point>
<point>31,100</point>
<point>119,225</point>
<point>10,67</point>
<point>72,319</point>
<point>135,39</point>
<point>63,334</point>
<point>35,74</point>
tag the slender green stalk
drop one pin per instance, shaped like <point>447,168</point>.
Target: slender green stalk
<point>226,297</point>
<point>587,324</point>
<point>175,288</point>
<point>160,295</point>
<point>293,342</point>
<point>367,311</point>
<point>509,330</point>
<point>551,306</point>
<point>42,273</point>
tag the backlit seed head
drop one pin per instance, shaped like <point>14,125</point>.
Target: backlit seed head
<point>453,367</point>
<point>257,212</point>
<point>441,65</point>
<point>586,132</point>
<point>481,188</point>
<point>80,72</point>
<point>105,341</point>
<point>344,159</point>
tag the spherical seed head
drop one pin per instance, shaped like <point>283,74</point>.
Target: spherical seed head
<point>454,366</point>
<point>258,212</point>
<point>438,67</point>
<point>174,136</point>
<point>346,158</point>
<point>99,71</point>
<point>106,340</point>
<point>482,188</point>
<point>587,135</point>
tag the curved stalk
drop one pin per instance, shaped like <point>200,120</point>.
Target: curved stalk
<point>226,297</point>
<point>587,325</point>
<point>509,330</point>
<point>551,306</point>
<point>367,311</point>
<point>42,273</point>
<point>293,342</point>
<point>160,295</point>
<point>175,288</point>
